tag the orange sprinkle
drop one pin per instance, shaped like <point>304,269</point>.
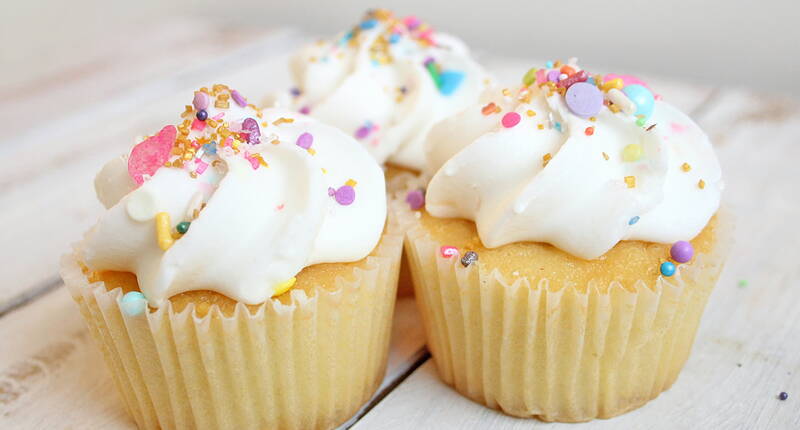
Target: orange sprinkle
<point>605,156</point>
<point>489,109</point>
<point>630,181</point>
<point>546,159</point>
<point>701,184</point>
<point>540,126</point>
<point>589,131</point>
<point>686,167</point>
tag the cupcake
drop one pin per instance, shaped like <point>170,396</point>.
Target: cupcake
<point>243,275</point>
<point>570,238</point>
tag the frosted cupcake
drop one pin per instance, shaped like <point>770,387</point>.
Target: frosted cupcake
<point>243,275</point>
<point>570,238</point>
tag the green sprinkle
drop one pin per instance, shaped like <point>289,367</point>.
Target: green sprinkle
<point>640,122</point>
<point>530,77</point>
<point>434,72</point>
<point>183,227</point>
<point>742,283</point>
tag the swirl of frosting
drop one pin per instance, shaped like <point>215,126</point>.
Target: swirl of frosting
<point>235,200</point>
<point>386,82</point>
<point>580,168</point>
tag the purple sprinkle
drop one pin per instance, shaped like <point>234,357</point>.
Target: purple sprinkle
<point>305,110</point>
<point>583,99</point>
<point>553,75</point>
<point>331,191</point>
<point>238,98</point>
<point>415,199</point>
<point>345,195</point>
<point>200,101</point>
<point>305,140</point>
<point>251,129</point>
<point>428,60</point>
<point>363,132</point>
<point>682,251</point>
<point>295,92</point>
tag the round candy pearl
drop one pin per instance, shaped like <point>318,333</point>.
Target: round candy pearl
<point>202,115</point>
<point>415,199</point>
<point>511,119</point>
<point>682,251</point>
<point>632,152</point>
<point>183,227</point>
<point>530,77</point>
<point>584,100</point>
<point>133,303</point>
<point>642,97</point>
<point>200,100</point>
<point>345,195</point>
<point>469,258</point>
<point>553,75</point>
<point>667,268</point>
<point>305,140</point>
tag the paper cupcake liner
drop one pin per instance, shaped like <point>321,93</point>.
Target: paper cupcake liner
<point>311,363</point>
<point>557,354</point>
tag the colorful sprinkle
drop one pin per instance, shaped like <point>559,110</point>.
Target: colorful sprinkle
<point>344,195</point>
<point>742,283</point>
<point>163,234</point>
<point>364,131</point>
<point>584,100</point>
<point>238,98</point>
<point>640,121</point>
<point>667,268</point>
<point>490,109</point>
<point>701,184</point>
<point>183,227</point>
<point>642,98</point>
<point>449,81</point>
<point>305,140</point>
<point>686,167</point>
<point>415,199</point>
<point>202,115</point>
<point>133,303</point>
<point>530,77</point>
<point>681,251</point>
<point>612,84</point>
<point>469,258</point>
<point>589,131</point>
<point>369,24</point>
<point>251,129</point>
<point>783,396</point>
<point>284,286</point>
<point>573,79</point>
<point>632,152</point>
<point>630,181</point>
<point>633,220</point>
<point>511,119</point>
<point>200,100</point>
<point>448,251</point>
<point>151,154</point>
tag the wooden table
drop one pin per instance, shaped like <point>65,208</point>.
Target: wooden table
<point>58,132</point>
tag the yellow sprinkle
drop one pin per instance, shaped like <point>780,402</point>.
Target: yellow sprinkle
<point>211,123</point>
<point>592,119</point>
<point>506,92</point>
<point>188,111</point>
<point>282,120</point>
<point>632,152</point>
<point>686,167</point>
<point>531,113</point>
<point>614,83</point>
<point>540,126</point>
<point>701,184</point>
<point>630,181</point>
<point>312,151</point>
<point>546,159</point>
<point>324,170</point>
<point>284,286</point>
<point>605,156</point>
<point>613,108</point>
<point>221,104</point>
<point>264,123</point>
<point>163,227</point>
<point>351,183</point>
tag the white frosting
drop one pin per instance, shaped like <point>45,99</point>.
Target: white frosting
<point>259,227</point>
<point>343,84</point>
<point>579,201</point>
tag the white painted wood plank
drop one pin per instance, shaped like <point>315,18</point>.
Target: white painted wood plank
<point>53,376</point>
<point>747,349</point>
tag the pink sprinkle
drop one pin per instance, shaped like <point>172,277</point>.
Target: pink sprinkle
<point>253,161</point>
<point>200,101</point>
<point>427,36</point>
<point>280,207</point>
<point>151,154</point>
<point>305,140</point>
<point>305,110</point>
<point>345,195</point>
<point>198,125</point>
<point>677,128</point>
<point>511,119</point>
<point>201,166</point>
<point>238,98</point>
<point>541,76</point>
<point>411,22</point>
<point>218,116</point>
<point>448,251</point>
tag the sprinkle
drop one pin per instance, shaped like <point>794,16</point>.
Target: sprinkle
<point>369,24</point>
<point>686,167</point>
<point>701,184</point>
<point>295,92</point>
<point>530,113</point>
<point>344,195</point>
<point>201,166</point>
<point>284,286</point>
<point>552,76</point>
<point>558,126</point>
<point>605,156</point>
<point>783,396</point>
<point>633,220</point>
<point>530,77</point>
<point>149,155</point>
<point>363,131</point>
<point>183,227</point>
<point>133,303</point>
<point>251,129</point>
<point>411,22</point>
<point>510,119</point>
<point>490,109</point>
<point>305,110</point>
<point>640,121</point>
<point>540,126</point>
<point>681,251</point>
<point>415,199</point>
<point>198,125</point>
<point>632,152</point>
<point>433,70</point>
<point>612,84</point>
<point>573,79</point>
<point>448,251</point>
<point>642,98</point>
<point>469,258</point>
<point>305,140</point>
<point>449,81</point>
<point>589,131</point>
<point>351,183</point>
<point>621,102</point>
<point>650,127</point>
<point>667,268</point>
<point>742,283</point>
<point>584,100</point>
<point>238,98</point>
<point>202,115</point>
<point>200,100</point>
<point>548,64</point>
<point>163,226</point>
<point>546,159</point>
<point>282,120</point>
<point>630,181</point>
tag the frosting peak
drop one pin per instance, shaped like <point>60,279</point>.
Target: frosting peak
<point>578,161</point>
<point>386,82</point>
<point>236,200</point>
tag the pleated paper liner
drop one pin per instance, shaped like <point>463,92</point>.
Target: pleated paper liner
<point>564,354</point>
<point>311,363</point>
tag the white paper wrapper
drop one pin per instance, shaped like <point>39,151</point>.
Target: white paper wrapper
<point>311,363</point>
<point>557,354</point>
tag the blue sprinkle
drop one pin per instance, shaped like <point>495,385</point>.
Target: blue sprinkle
<point>133,303</point>
<point>591,81</point>
<point>548,64</point>
<point>210,148</point>
<point>394,38</point>
<point>449,81</point>
<point>375,63</point>
<point>667,268</point>
<point>633,220</point>
<point>295,91</point>
<point>346,37</point>
<point>368,24</point>
<point>558,126</point>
